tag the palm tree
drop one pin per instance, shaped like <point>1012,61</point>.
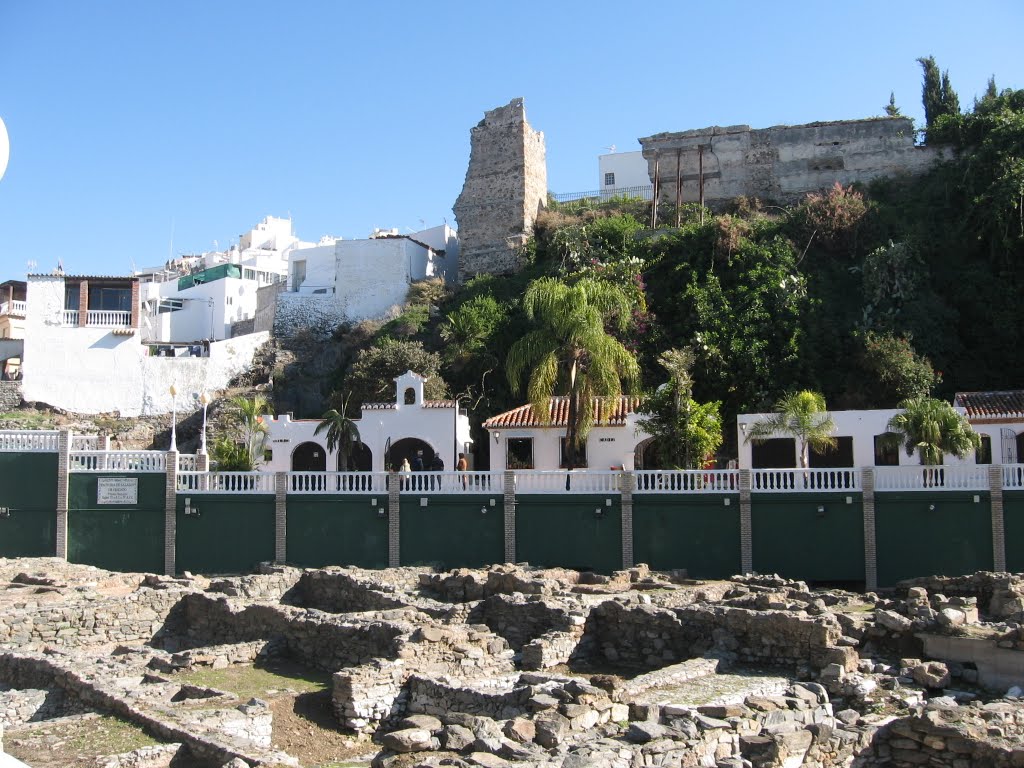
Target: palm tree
<point>249,413</point>
<point>803,416</point>
<point>932,428</point>
<point>571,352</point>
<point>342,433</point>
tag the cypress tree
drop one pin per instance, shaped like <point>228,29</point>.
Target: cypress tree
<point>950,101</point>
<point>891,109</point>
<point>931,90</point>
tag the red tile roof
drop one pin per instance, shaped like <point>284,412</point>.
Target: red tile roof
<point>558,413</point>
<point>982,405</point>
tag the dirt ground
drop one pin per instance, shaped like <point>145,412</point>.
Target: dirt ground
<point>73,742</point>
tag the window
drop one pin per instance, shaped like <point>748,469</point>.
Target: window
<point>609,179</point>
<point>110,299</point>
<point>409,397</point>
<point>887,450</point>
<point>519,453</point>
<point>983,455</point>
<point>71,296</point>
<point>170,305</point>
<point>581,454</point>
<point>840,456</point>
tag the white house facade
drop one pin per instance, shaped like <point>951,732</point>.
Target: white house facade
<point>621,173</point>
<point>522,441</point>
<point>388,433</point>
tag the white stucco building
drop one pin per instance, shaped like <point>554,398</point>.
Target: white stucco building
<point>84,353</point>
<point>388,432</point>
<point>998,417</point>
<point>339,281</point>
<point>521,441</point>
<point>621,173</point>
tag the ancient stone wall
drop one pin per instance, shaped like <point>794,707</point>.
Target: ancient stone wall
<point>506,186</point>
<point>10,395</point>
<point>783,163</point>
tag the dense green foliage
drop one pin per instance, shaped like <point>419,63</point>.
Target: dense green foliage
<point>240,449</point>
<point>863,294</point>
<point>933,428</point>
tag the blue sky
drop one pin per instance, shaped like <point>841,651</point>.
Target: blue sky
<point>130,121</point>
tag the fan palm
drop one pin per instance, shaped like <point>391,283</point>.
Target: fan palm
<point>248,413</point>
<point>342,433</point>
<point>932,428</point>
<point>570,352</point>
<point>803,416</point>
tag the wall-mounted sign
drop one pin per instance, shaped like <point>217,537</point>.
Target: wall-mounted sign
<point>117,490</point>
<point>606,440</point>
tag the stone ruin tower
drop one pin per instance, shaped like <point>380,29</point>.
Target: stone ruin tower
<point>506,186</point>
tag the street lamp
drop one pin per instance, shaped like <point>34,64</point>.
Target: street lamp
<point>174,417</point>
<point>204,399</point>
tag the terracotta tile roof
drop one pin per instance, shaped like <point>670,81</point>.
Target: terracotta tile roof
<point>980,405</point>
<point>558,413</point>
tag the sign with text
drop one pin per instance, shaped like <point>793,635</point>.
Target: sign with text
<point>117,490</point>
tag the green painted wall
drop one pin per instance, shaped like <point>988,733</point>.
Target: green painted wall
<point>118,537</point>
<point>231,534</point>
<point>699,534</point>
<point>791,538</point>
<point>1013,517</point>
<point>451,532</point>
<point>953,538</point>
<point>337,530</point>
<point>563,531</point>
<point>28,487</point>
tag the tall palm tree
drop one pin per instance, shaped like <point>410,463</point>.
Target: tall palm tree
<point>570,352</point>
<point>933,427</point>
<point>803,416</point>
<point>342,433</point>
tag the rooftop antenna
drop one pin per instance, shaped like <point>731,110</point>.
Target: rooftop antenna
<point>610,148</point>
<point>170,245</point>
<point>30,266</point>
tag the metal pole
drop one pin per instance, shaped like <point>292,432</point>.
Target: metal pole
<point>700,179</point>
<point>654,202</point>
<point>679,187</point>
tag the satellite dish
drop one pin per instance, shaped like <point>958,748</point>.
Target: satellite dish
<point>5,148</point>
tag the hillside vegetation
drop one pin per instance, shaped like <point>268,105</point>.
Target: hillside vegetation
<point>867,295</point>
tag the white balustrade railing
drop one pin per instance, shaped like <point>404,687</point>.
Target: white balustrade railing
<point>226,482</point>
<point>799,480</point>
<point>1013,477</point>
<point>450,482</point>
<point>85,443</point>
<point>118,461</point>
<point>13,308</point>
<point>337,482</point>
<point>566,481</point>
<point>687,481</point>
<point>70,317</point>
<point>188,462</point>
<point>961,477</point>
<point>28,441</point>
<point>105,318</point>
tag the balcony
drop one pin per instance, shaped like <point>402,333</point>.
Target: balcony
<point>12,308</point>
<point>99,318</point>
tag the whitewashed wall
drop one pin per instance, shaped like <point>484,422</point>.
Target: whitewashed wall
<point>607,447</point>
<point>630,169</point>
<point>374,275</point>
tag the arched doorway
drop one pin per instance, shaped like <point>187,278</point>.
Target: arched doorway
<point>406,448</point>
<point>360,460</point>
<point>644,454</point>
<point>309,457</point>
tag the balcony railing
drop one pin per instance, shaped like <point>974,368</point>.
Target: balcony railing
<point>28,441</point>
<point>789,480</point>
<point>338,482</point>
<point>99,318</point>
<point>13,308</point>
<point>566,481</point>
<point>687,481</point>
<point>966,477</point>
<point>226,482</point>
<point>118,461</point>
<point>450,482</point>
<point>71,317</point>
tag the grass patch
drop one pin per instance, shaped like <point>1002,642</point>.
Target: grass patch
<point>247,681</point>
<point>29,419</point>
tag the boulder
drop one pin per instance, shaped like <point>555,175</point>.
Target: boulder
<point>893,621</point>
<point>409,740</point>
<point>932,674</point>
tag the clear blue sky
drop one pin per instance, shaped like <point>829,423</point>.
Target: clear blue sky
<point>129,119</point>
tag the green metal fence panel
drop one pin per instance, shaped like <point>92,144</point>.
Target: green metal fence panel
<point>582,532</point>
<point>813,537</point>
<point>230,534</point>
<point>920,534</point>
<point>337,530</point>
<point>28,488</point>
<point>1013,517</point>
<point>698,533</point>
<point>452,531</point>
<point>117,536</point>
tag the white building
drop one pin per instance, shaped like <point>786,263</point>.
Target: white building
<point>521,441</point>
<point>998,417</point>
<point>83,351</point>
<point>621,173</point>
<point>388,432</point>
<point>351,280</point>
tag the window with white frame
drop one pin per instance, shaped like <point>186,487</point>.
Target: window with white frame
<point>609,179</point>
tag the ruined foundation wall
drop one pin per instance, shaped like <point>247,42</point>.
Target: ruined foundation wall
<point>506,186</point>
<point>783,163</point>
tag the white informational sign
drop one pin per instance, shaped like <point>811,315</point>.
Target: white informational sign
<point>117,490</point>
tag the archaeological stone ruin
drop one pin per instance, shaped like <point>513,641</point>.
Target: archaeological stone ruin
<point>506,186</point>
<point>515,666</point>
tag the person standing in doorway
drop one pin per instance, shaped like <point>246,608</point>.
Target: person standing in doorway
<point>462,465</point>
